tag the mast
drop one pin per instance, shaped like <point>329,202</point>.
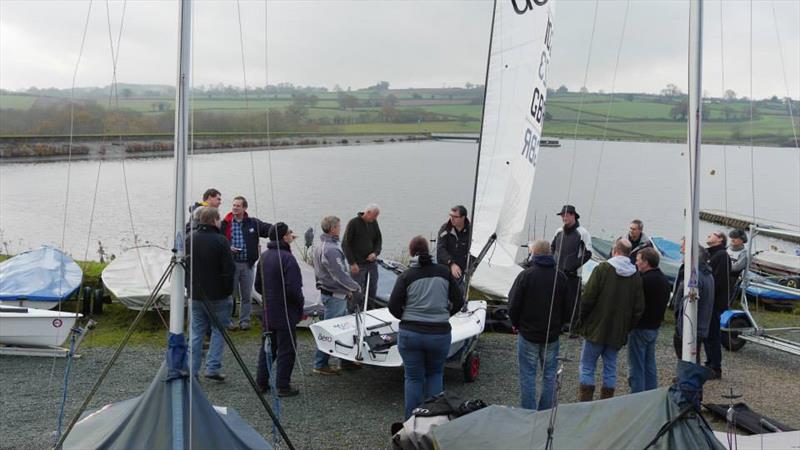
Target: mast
<point>689,338</point>
<point>177,301</point>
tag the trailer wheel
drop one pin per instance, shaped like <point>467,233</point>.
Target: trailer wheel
<point>730,339</point>
<point>472,365</point>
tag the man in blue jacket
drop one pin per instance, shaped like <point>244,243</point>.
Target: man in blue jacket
<point>281,286</point>
<point>243,231</point>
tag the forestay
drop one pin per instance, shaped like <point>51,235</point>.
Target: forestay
<point>516,90</point>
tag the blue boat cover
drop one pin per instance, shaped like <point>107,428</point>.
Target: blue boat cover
<point>668,249</point>
<point>45,274</point>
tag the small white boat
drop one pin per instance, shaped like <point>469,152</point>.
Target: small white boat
<point>133,275</point>
<point>31,327</point>
<point>777,263</point>
<point>371,337</point>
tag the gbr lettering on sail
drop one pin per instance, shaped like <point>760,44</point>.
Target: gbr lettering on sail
<point>533,133</point>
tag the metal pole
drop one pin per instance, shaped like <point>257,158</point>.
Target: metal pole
<point>689,342</point>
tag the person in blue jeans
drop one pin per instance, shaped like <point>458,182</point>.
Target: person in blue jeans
<point>423,298</point>
<point>209,279</point>
<point>538,307</point>
<point>642,372</point>
<point>611,305</point>
<point>334,284</point>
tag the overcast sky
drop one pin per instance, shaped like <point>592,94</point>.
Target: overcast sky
<point>408,43</point>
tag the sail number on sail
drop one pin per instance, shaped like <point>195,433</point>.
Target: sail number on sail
<point>530,147</point>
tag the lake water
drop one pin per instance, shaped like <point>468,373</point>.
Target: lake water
<point>414,183</point>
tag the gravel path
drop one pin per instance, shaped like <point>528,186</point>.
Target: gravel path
<point>353,410</point>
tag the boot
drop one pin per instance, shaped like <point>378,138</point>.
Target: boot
<point>606,392</point>
<point>586,393</point>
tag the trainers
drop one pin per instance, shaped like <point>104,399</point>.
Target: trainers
<point>233,327</point>
<point>215,376</point>
<point>326,370</point>
<point>288,392</point>
<point>244,327</point>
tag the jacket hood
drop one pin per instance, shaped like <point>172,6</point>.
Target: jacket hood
<point>272,245</point>
<point>328,238</point>
<point>623,265</point>
<point>544,260</point>
<point>229,217</point>
<point>420,260</point>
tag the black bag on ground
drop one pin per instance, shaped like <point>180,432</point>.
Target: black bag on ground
<point>437,410</point>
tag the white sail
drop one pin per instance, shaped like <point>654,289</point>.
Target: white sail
<point>516,90</point>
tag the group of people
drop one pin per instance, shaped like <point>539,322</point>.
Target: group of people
<point>623,301</point>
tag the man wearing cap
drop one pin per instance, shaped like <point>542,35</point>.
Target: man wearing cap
<point>280,283</point>
<point>571,247</point>
<point>334,284</point>
<point>243,233</point>
<point>738,253</point>
<point>361,244</point>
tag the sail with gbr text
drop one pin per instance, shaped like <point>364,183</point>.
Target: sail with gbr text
<point>516,91</point>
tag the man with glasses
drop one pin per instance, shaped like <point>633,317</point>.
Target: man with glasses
<point>452,246</point>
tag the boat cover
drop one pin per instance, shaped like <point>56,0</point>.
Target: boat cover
<point>146,422</point>
<point>771,294</point>
<point>43,275</point>
<point>132,276</point>
<point>625,422</point>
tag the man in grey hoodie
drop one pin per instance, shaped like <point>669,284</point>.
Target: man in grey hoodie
<point>333,282</point>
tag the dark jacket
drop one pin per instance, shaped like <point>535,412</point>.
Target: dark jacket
<point>209,264</point>
<point>279,274</point>
<point>720,263</point>
<point>425,296</point>
<point>611,304</point>
<point>252,229</point>
<point>656,296</point>
<point>360,239</point>
<point>530,299</point>
<point>705,304</point>
<point>452,246</point>
<point>575,249</point>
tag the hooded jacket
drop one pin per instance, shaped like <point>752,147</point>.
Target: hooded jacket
<point>530,297</point>
<point>573,250</point>
<point>330,268</point>
<point>452,246</point>
<point>278,275</point>
<point>209,264</point>
<point>425,296</point>
<point>612,303</point>
<point>252,229</point>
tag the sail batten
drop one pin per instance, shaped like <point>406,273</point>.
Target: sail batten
<point>516,92</point>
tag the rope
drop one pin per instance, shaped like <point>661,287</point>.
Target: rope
<point>66,385</point>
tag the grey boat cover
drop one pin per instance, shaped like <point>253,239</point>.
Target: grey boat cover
<point>625,422</point>
<point>145,422</point>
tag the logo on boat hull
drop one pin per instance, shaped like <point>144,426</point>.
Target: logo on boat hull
<point>324,338</point>
<point>57,323</point>
<point>527,5</point>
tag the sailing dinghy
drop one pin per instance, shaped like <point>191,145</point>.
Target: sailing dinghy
<point>132,276</point>
<point>40,278</point>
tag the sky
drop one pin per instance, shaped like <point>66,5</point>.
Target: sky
<point>410,43</point>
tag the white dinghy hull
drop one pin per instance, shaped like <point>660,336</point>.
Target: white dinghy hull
<point>30,327</point>
<point>339,337</point>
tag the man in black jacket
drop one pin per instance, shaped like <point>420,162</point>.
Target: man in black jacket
<point>209,278</point>
<point>642,373</point>
<point>361,244</point>
<point>452,245</point>
<point>243,232</point>
<point>571,247</point>
<point>720,263</point>
<point>538,306</point>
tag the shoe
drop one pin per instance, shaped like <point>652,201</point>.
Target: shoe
<point>215,376</point>
<point>606,392</point>
<point>326,370</point>
<point>244,327</point>
<point>714,374</point>
<point>263,389</point>
<point>288,392</point>
<point>350,366</point>
<point>233,327</point>
<point>585,392</point>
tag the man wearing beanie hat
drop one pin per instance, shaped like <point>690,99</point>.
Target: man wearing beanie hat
<point>280,283</point>
<point>571,247</point>
<point>737,252</point>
